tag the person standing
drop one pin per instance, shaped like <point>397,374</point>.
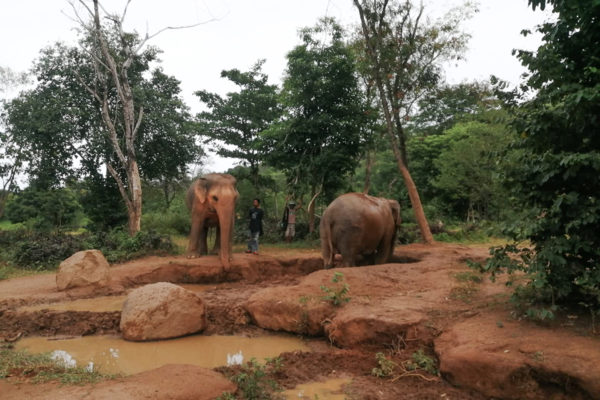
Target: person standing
<point>290,220</point>
<point>256,215</point>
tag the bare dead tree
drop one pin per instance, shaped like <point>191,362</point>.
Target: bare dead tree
<point>122,118</point>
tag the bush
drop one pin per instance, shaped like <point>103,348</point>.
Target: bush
<point>43,210</point>
<point>171,223</point>
<point>46,250</point>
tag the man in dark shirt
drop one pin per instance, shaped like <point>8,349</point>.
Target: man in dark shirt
<point>256,216</point>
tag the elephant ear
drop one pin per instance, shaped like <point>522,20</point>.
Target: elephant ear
<point>201,189</point>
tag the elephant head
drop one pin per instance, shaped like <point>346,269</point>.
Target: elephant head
<point>211,200</point>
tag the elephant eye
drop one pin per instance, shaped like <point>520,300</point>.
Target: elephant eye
<point>215,198</point>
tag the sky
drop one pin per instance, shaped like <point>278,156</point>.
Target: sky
<point>237,33</point>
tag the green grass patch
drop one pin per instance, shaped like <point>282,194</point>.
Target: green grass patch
<point>42,368</point>
<point>6,225</point>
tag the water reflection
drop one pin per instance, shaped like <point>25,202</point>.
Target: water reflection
<point>330,390</point>
<point>111,354</point>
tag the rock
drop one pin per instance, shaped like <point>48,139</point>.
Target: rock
<point>161,311</point>
<point>518,361</point>
<point>86,268</point>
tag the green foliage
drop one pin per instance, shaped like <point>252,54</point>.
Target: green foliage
<point>556,184</point>
<point>422,361</point>
<point>386,366</point>
<point>470,169</point>
<point>45,250</point>
<point>44,369</point>
<point>43,209</point>
<point>337,295</point>
<point>117,245</point>
<point>234,123</point>
<point>102,203</point>
<point>254,380</point>
<point>321,138</point>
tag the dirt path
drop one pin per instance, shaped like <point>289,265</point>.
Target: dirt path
<point>427,300</point>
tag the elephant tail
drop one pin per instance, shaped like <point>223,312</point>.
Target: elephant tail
<point>326,244</point>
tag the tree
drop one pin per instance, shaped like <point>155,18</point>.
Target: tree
<point>403,56</point>
<point>446,105</point>
<point>238,120</point>
<point>58,121</point>
<point>122,119</point>
<point>167,139</point>
<point>557,183</point>
<point>321,136</point>
<point>11,153</point>
<point>470,169</point>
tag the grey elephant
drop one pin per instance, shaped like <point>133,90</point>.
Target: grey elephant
<point>361,228</point>
<point>211,201</point>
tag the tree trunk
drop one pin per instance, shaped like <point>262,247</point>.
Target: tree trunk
<point>368,169</point>
<point>135,187</point>
<point>311,208</point>
<point>393,131</point>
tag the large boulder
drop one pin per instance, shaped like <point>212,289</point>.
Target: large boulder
<point>161,311</point>
<point>86,268</point>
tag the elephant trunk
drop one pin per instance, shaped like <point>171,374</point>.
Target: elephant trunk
<point>226,227</point>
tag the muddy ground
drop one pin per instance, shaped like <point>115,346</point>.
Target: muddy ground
<point>426,299</point>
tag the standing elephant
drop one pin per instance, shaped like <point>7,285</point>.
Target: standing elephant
<point>359,227</point>
<point>211,201</point>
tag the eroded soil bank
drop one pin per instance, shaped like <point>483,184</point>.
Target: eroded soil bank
<point>426,299</point>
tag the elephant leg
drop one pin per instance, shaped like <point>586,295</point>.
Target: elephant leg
<point>217,245</point>
<point>195,232</point>
<point>384,251</point>
<point>203,247</point>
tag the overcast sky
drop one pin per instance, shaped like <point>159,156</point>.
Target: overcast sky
<point>244,31</point>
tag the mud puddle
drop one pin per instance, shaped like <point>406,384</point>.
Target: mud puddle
<point>331,389</point>
<point>111,354</point>
<point>100,304</point>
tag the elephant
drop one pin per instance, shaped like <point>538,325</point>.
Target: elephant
<point>361,228</point>
<point>211,201</point>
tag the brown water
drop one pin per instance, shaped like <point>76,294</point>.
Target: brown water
<point>99,304</point>
<point>111,354</point>
<point>330,390</point>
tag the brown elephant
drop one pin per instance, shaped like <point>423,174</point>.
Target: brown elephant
<point>361,228</point>
<point>211,201</point>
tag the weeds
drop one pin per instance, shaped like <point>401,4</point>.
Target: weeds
<point>337,295</point>
<point>254,382</point>
<point>386,366</point>
<point>419,362</point>
<point>42,368</point>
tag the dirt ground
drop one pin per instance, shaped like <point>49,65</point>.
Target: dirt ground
<point>425,299</point>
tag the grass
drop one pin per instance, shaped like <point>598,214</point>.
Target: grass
<point>8,271</point>
<point>42,368</point>
<point>6,225</point>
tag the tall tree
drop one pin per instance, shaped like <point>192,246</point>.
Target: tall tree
<point>321,137</point>
<point>11,152</point>
<point>403,55</point>
<point>58,121</point>
<point>557,183</point>
<point>234,123</point>
<point>122,119</point>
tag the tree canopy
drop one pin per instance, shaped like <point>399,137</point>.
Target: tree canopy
<point>556,182</point>
<point>322,134</point>
<point>234,123</point>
